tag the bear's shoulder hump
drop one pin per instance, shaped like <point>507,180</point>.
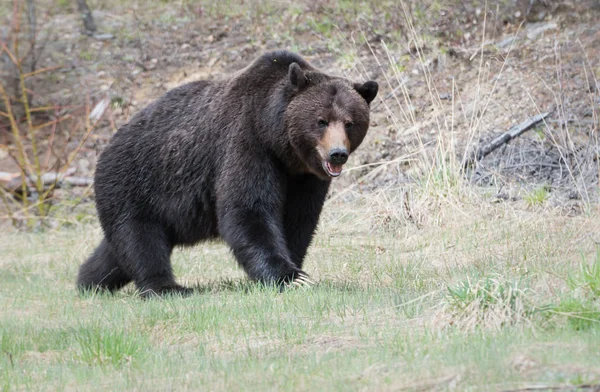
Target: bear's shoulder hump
<point>283,58</point>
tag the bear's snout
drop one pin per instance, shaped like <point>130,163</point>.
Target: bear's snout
<point>334,148</point>
<point>338,156</point>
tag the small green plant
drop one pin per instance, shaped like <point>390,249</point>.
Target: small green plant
<point>400,67</point>
<point>166,19</point>
<point>588,277</point>
<point>117,102</point>
<point>322,26</point>
<point>348,60</point>
<point>491,301</point>
<point>487,292</point>
<point>538,196</point>
<point>581,314</point>
<point>540,133</point>
<point>64,5</point>
<point>11,344</point>
<point>85,55</point>
<point>114,348</point>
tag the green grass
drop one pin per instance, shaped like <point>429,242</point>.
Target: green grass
<point>432,291</point>
<point>477,304</point>
<point>537,196</point>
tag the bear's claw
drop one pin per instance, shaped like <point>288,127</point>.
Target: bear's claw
<point>302,280</point>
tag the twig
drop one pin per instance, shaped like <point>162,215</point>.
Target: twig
<point>507,136</point>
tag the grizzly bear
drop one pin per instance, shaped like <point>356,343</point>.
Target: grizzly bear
<point>248,159</point>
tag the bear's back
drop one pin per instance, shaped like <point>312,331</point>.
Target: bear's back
<point>266,71</point>
<point>161,163</point>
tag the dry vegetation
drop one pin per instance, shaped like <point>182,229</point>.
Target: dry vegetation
<point>435,272</point>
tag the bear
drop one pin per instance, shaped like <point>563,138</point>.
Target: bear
<point>248,159</point>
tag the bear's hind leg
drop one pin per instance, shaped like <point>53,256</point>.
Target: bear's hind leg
<point>145,253</point>
<point>101,271</point>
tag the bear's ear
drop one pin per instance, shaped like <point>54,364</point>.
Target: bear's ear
<point>367,90</point>
<point>296,76</point>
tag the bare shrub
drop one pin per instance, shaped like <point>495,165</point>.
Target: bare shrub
<point>43,140</point>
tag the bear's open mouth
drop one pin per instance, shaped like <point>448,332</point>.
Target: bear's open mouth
<point>331,169</point>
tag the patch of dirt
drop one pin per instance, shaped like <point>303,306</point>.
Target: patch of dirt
<point>42,357</point>
<point>478,96</point>
<point>328,343</point>
<point>263,346</point>
<point>523,363</point>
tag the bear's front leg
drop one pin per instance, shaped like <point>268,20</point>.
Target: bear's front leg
<point>250,204</point>
<point>304,200</point>
<point>256,238</point>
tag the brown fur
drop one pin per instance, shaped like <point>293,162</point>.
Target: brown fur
<point>237,159</point>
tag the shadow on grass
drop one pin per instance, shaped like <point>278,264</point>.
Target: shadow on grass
<point>247,286</point>
<point>226,285</point>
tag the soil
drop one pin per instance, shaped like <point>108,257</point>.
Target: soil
<point>469,76</point>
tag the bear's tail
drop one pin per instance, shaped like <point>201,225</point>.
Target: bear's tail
<point>101,271</point>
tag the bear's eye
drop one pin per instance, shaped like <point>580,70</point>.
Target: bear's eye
<point>349,125</point>
<point>323,123</point>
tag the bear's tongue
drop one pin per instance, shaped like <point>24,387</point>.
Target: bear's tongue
<point>334,170</point>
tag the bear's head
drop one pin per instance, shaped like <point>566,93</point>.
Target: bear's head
<point>327,118</point>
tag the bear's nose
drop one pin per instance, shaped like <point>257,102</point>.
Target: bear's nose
<point>338,156</point>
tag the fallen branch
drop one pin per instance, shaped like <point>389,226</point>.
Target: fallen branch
<point>581,387</point>
<point>507,136</point>
<point>12,182</point>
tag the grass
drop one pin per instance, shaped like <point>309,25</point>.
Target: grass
<point>500,301</point>
<point>537,196</point>
<point>424,287</point>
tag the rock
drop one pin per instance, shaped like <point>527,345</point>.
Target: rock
<point>99,109</point>
<point>98,15</point>
<point>104,36</point>
<point>534,30</point>
<point>507,42</point>
<point>83,165</point>
<point>232,55</point>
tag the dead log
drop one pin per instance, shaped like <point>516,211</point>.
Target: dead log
<point>506,137</point>
<point>12,182</point>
